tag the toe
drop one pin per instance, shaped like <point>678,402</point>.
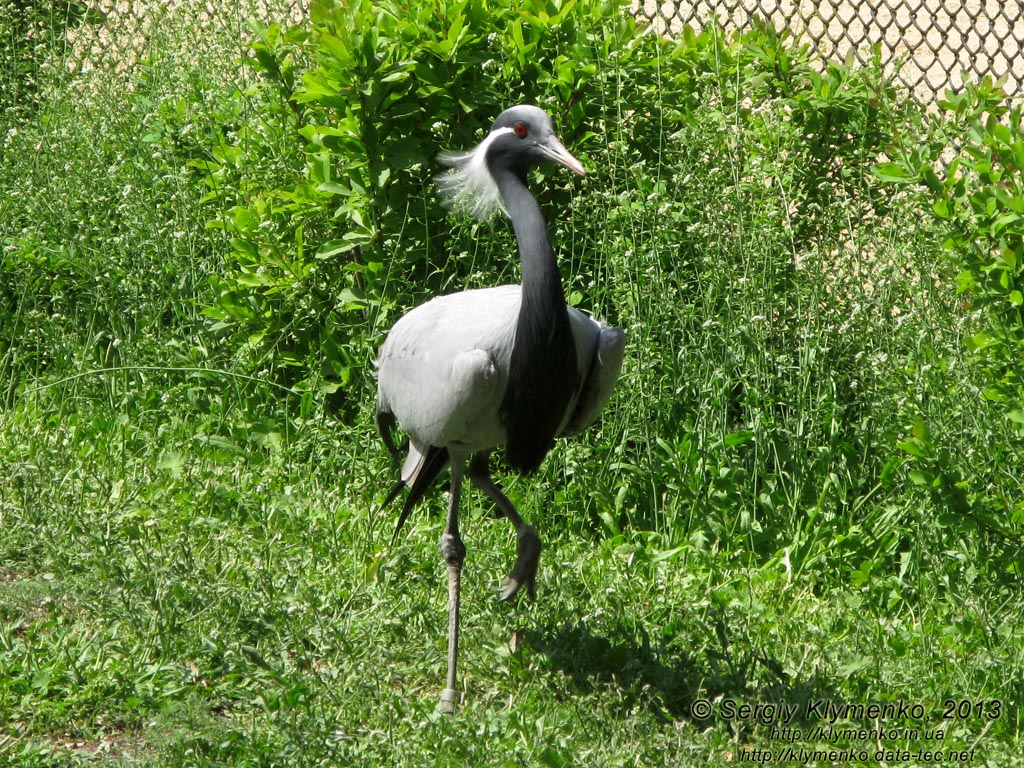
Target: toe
<point>509,589</point>
<point>525,569</point>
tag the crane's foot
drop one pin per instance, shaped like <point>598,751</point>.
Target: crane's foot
<point>449,702</point>
<point>525,569</point>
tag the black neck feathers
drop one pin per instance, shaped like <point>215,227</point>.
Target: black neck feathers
<point>542,371</point>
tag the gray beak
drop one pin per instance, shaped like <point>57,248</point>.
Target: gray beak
<point>557,153</point>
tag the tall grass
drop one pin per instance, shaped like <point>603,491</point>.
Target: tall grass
<point>193,566</point>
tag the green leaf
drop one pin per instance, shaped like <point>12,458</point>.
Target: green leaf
<point>893,173</point>
<point>333,188</point>
<point>333,248</point>
<point>738,438</point>
<point>919,477</point>
<point>913,447</point>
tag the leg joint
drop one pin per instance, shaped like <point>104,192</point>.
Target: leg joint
<point>452,549</point>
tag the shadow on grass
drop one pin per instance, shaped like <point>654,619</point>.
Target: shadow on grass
<point>667,680</point>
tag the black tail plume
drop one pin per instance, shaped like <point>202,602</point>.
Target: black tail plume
<point>386,422</point>
<point>433,465</point>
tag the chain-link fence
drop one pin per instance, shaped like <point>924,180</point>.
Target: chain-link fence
<point>107,38</point>
<point>930,45</point>
<point>123,31</point>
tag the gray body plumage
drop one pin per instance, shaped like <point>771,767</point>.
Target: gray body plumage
<point>444,369</point>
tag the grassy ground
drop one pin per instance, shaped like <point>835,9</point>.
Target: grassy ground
<point>194,570</point>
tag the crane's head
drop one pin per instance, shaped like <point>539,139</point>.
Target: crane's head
<point>522,137</point>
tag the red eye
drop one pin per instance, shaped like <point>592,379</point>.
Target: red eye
<point>520,130</point>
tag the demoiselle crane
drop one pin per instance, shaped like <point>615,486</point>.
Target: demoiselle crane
<point>510,366</point>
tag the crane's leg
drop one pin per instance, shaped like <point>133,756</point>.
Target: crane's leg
<point>454,553</point>
<point>528,556</point>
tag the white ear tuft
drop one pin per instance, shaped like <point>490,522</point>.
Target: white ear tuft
<point>469,187</point>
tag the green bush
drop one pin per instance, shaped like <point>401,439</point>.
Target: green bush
<point>979,197</point>
<point>969,160</point>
